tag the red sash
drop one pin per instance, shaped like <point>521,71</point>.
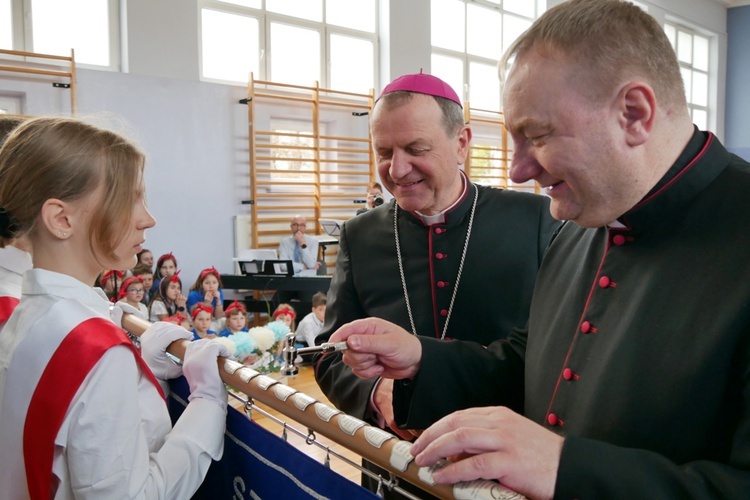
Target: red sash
<point>7,304</point>
<point>74,358</point>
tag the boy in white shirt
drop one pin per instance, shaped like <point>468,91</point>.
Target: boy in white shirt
<point>312,324</point>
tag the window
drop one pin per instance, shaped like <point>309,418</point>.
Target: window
<point>292,147</point>
<point>230,45</point>
<point>299,42</point>
<point>301,45</point>
<point>90,27</point>
<point>693,52</point>
<point>469,37</point>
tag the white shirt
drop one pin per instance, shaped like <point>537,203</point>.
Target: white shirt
<point>307,256</point>
<point>158,307</point>
<point>142,309</point>
<point>308,329</point>
<point>13,263</point>
<point>116,440</point>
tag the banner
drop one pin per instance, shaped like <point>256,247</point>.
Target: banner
<point>260,465</point>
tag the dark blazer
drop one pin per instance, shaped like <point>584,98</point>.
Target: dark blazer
<point>510,233</point>
<point>638,345</point>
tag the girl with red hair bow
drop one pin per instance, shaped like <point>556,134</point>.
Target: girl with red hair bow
<point>110,282</point>
<point>168,300</point>
<point>285,313</point>
<point>207,291</point>
<point>131,293</point>
<point>202,322</point>
<point>236,315</point>
<point>166,266</point>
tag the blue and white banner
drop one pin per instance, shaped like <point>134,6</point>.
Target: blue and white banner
<point>260,465</point>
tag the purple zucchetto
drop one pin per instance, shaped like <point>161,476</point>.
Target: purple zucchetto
<point>422,84</point>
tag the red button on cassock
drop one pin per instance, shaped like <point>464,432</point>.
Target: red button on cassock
<point>552,419</point>
<point>440,256</point>
<point>444,312</point>
<point>604,281</point>
<point>585,327</point>
<point>618,240</point>
<point>568,374</point>
<point>442,284</point>
<point>440,230</point>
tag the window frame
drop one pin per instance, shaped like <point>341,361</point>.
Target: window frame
<point>266,18</point>
<point>23,33</point>
<point>467,58</point>
<point>711,106</point>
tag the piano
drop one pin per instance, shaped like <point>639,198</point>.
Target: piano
<point>284,283</point>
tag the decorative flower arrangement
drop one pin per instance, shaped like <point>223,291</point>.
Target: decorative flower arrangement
<point>260,347</point>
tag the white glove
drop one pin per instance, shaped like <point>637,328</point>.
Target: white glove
<point>202,372</point>
<point>117,309</point>
<point>154,343</point>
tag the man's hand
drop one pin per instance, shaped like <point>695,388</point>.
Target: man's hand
<point>492,443</point>
<point>383,399</point>
<point>378,348</point>
<point>300,237</point>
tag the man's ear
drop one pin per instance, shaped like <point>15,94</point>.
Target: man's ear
<point>464,139</point>
<point>56,218</point>
<point>637,112</point>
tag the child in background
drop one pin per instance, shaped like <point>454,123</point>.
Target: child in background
<point>15,257</point>
<point>236,315</point>
<point>146,275</point>
<point>311,325</point>
<point>285,313</point>
<point>91,420</point>
<point>168,300</point>
<point>207,291</point>
<point>131,292</point>
<point>111,281</point>
<point>202,322</point>
<point>146,258</point>
<point>165,266</point>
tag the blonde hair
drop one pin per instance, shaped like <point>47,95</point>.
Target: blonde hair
<point>67,159</point>
<point>610,40</point>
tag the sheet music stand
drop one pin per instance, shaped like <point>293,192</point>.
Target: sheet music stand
<point>332,227</point>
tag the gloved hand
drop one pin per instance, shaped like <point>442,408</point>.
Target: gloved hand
<point>154,343</point>
<point>117,309</point>
<point>202,372</point>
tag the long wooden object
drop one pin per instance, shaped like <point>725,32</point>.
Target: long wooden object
<point>372,443</point>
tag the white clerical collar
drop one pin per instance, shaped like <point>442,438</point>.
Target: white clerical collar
<point>616,224</point>
<point>439,218</point>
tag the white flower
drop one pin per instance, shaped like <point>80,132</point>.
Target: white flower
<point>226,342</point>
<point>263,337</point>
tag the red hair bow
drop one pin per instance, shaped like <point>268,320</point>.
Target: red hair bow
<point>279,312</point>
<point>175,278</point>
<point>166,256</point>
<point>200,307</point>
<point>126,284</point>
<point>105,277</point>
<point>234,305</point>
<point>206,272</point>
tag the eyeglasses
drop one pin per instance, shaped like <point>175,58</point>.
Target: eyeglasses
<point>299,225</point>
<point>135,291</point>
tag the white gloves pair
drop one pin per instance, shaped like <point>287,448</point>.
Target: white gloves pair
<point>199,366</point>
